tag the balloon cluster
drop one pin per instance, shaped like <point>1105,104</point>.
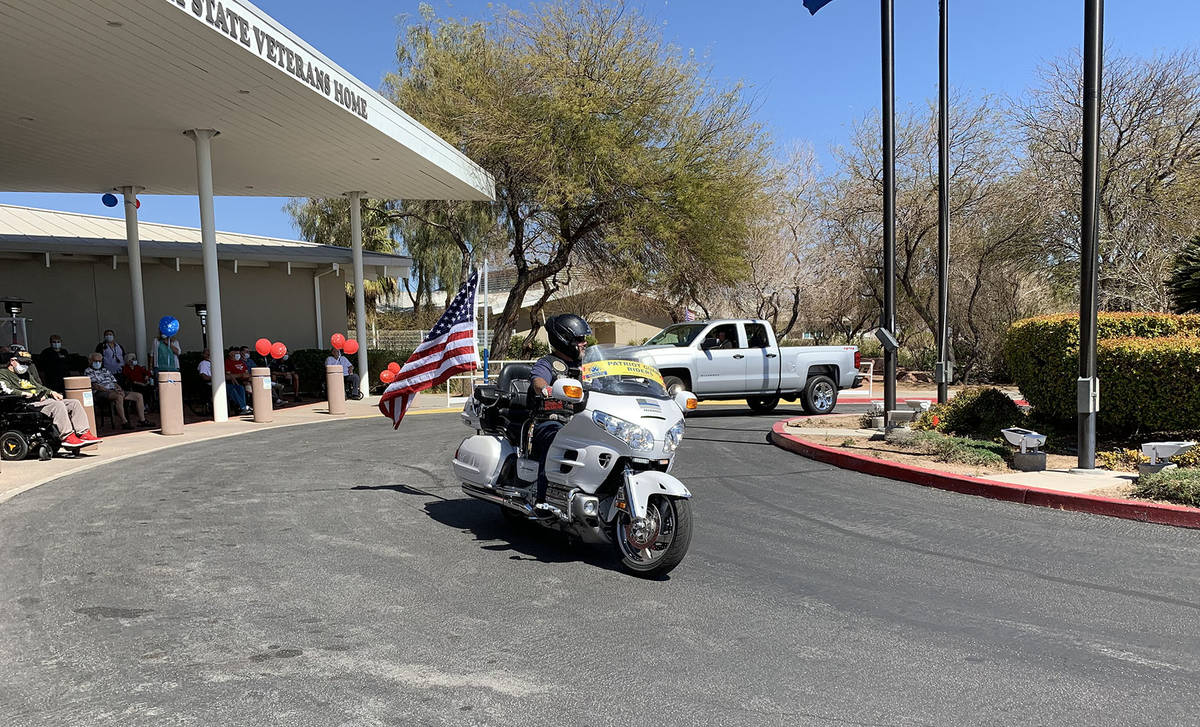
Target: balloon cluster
<point>264,346</point>
<point>110,200</point>
<point>343,344</point>
<point>388,375</point>
<point>168,325</point>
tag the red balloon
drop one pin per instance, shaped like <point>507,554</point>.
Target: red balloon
<point>394,368</point>
<point>337,340</point>
<point>351,346</point>
<point>263,346</point>
<point>278,350</point>
<point>387,376</point>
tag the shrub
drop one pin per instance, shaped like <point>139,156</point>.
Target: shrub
<point>1149,384</point>
<point>960,450</point>
<point>1190,458</point>
<point>1042,355</point>
<point>1125,460</point>
<point>976,411</point>
<point>537,348</point>
<point>1181,486</point>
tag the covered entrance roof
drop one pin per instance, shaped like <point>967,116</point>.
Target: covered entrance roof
<point>67,236</point>
<point>97,95</point>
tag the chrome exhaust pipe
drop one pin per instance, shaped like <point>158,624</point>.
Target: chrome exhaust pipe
<point>491,496</point>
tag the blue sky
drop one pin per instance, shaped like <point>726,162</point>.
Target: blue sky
<point>813,76</point>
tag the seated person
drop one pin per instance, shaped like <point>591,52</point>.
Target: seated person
<point>336,358</point>
<point>19,377</point>
<point>164,353</point>
<point>234,393</point>
<point>721,338</point>
<point>283,372</point>
<point>237,378</point>
<point>139,378</point>
<point>52,364</point>
<point>106,389</point>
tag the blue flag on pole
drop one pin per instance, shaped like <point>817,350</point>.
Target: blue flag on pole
<point>815,5</point>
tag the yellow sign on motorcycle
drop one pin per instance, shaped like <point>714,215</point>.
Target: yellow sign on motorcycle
<point>615,367</point>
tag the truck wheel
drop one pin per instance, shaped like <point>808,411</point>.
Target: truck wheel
<point>762,404</point>
<point>674,384</point>
<point>820,395</point>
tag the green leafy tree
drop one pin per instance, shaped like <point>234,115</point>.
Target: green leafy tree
<point>610,149</point>
<point>1185,278</point>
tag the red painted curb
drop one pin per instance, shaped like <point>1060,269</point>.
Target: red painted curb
<point>1177,515</point>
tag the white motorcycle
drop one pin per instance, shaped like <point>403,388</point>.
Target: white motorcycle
<point>608,467</point>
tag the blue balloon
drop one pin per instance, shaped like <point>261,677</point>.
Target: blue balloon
<point>109,200</point>
<point>168,326</point>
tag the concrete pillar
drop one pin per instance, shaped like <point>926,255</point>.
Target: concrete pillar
<point>360,300</point>
<point>79,388</point>
<point>261,398</point>
<point>135,273</point>
<point>170,402</point>
<point>212,279</point>
<point>335,389</point>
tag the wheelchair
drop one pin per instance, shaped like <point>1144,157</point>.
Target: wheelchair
<point>25,430</point>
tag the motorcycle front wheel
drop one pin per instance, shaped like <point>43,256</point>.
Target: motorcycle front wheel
<point>654,546</point>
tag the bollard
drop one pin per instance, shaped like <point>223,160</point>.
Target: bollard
<point>79,388</point>
<point>335,389</point>
<point>170,402</point>
<point>260,382</point>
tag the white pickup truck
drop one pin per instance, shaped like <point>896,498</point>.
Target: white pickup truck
<point>740,359</point>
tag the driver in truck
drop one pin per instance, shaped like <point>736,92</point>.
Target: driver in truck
<point>568,338</point>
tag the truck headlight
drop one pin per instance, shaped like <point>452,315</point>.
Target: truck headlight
<point>638,438</point>
<point>674,436</point>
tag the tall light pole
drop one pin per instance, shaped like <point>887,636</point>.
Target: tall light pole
<point>944,370</point>
<point>1089,385</point>
<point>887,36</point>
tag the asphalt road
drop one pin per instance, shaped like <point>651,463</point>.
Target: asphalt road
<point>333,574</point>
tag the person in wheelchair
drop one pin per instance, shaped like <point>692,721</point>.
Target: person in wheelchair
<point>20,379</point>
<point>568,339</point>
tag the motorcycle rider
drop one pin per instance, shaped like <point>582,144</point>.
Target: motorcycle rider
<point>568,338</point>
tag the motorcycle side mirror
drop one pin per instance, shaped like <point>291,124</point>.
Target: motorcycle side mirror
<point>686,401</point>
<point>569,390</point>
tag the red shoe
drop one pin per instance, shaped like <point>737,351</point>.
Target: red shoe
<point>72,441</point>
<point>87,436</point>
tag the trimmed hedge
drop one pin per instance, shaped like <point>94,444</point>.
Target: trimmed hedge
<point>1146,363</point>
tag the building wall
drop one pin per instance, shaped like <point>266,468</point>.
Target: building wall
<point>78,300</point>
<point>610,328</point>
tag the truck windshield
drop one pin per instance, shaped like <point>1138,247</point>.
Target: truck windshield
<point>680,334</point>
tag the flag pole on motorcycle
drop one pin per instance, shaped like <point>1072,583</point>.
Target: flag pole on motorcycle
<point>449,349</point>
<point>887,328</point>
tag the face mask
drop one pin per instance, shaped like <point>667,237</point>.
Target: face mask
<point>22,368</point>
<point>133,362</point>
<point>55,345</point>
<point>285,356</point>
<point>108,338</point>
<point>95,364</point>
<point>237,357</point>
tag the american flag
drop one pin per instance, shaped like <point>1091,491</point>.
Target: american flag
<point>449,349</point>
<point>689,314</point>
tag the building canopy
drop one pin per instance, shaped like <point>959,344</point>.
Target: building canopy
<point>97,96</point>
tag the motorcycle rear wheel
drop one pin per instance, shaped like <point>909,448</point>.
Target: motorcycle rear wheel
<point>670,543</point>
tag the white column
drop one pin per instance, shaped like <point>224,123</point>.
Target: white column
<point>212,278</point>
<point>135,273</point>
<point>360,300</point>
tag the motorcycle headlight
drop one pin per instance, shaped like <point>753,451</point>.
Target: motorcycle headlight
<point>674,436</point>
<point>638,438</point>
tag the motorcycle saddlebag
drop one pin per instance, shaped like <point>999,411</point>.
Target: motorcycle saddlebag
<point>479,458</point>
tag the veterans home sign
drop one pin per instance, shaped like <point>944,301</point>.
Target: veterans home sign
<point>240,25</point>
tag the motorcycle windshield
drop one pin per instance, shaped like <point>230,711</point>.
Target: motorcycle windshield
<point>622,377</point>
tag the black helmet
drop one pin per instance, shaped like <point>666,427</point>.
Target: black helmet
<point>564,330</point>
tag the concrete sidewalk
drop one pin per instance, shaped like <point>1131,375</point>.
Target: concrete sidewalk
<point>17,477</point>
